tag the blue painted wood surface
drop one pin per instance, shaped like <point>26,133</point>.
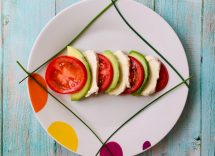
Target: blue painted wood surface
<point>207,79</point>
<point>1,83</point>
<point>193,21</point>
<point>22,21</point>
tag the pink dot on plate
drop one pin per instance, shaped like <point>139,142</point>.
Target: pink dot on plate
<point>146,145</point>
<point>111,149</point>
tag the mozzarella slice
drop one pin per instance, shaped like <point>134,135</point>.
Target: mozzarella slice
<point>154,66</point>
<point>124,63</point>
<point>92,59</point>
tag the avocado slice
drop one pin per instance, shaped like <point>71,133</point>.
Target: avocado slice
<point>77,54</point>
<point>141,58</point>
<point>116,70</point>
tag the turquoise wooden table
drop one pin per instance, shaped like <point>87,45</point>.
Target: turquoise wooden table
<point>193,21</point>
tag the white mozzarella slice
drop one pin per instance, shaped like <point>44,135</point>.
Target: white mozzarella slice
<point>154,66</point>
<point>92,59</point>
<point>124,63</point>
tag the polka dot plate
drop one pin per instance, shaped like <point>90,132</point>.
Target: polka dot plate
<point>105,113</point>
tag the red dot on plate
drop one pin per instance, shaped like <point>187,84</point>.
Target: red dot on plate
<point>111,149</point>
<point>146,145</point>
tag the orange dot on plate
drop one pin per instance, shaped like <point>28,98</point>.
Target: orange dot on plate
<point>64,134</point>
<point>37,94</point>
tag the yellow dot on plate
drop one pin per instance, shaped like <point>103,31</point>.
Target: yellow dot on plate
<point>64,134</point>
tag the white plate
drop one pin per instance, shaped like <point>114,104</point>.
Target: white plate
<point>105,113</point>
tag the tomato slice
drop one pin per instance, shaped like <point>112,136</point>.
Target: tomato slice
<point>105,75</point>
<point>66,75</point>
<point>163,78</point>
<point>136,75</point>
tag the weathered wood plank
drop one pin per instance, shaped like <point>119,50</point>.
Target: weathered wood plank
<point>185,18</point>
<point>22,134</point>
<point>62,4</point>
<point>208,81</point>
<point>1,79</point>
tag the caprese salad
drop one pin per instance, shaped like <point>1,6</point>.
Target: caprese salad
<point>116,73</point>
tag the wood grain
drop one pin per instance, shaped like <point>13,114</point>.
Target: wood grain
<point>1,80</point>
<point>22,134</point>
<point>185,18</point>
<point>62,4</point>
<point>207,79</point>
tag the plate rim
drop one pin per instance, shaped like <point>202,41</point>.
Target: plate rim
<point>50,21</point>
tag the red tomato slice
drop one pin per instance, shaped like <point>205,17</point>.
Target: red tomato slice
<point>136,75</point>
<point>66,75</point>
<point>163,78</point>
<point>105,75</point>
